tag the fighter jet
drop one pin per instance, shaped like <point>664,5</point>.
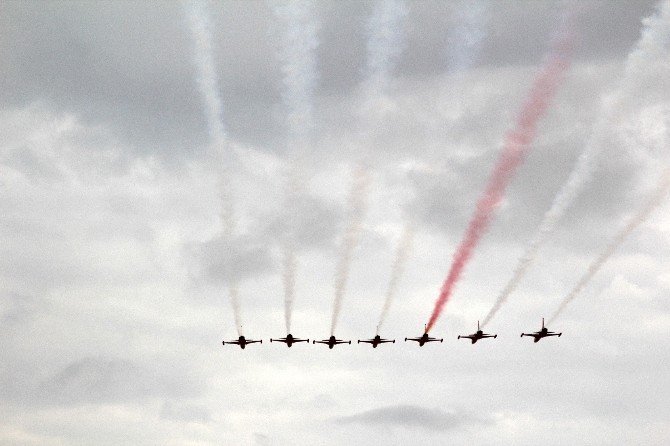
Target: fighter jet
<point>331,342</point>
<point>241,341</point>
<point>289,340</point>
<point>478,335</point>
<point>423,339</point>
<point>376,341</point>
<point>542,333</point>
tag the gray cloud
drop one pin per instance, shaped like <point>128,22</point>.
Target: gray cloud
<point>20,308</point>
<point>219,259</point>
<point>99,381</point>
<point>409,416</point>
<point>261,439</point>
<point>313,223</point>
<point>120,63</point>
<point>186,413</point>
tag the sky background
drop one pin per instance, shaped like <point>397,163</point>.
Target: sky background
<point>114,298</point>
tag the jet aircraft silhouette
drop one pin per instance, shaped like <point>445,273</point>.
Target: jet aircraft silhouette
<point>289,340</point>
<point>543,333</point>
<point>376,341</point>
<point>241,341</point>
<point>423,339</point>
<point>478,335</point>
<point>331,342</point>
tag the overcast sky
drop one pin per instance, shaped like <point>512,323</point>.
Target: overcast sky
<point>114,265</point>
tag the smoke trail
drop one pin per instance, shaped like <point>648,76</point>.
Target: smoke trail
<point>357,204</point>
<point>466,37</point>
<point>517,145</point>
<point>235,304</point>
<point>654,37</point>
<point>298,43</point>
<point>656,199</point>
<point>385,43</point>
<point>289,264</point>
<point>397,269</point>
<point>200,25</point>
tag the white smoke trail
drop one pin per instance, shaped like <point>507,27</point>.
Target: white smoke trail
<point>652,44</point>
<point>357,204</point>
<point>298,43</point>
<point>235,304</point>
<point>466,38</point>
<point>200,25</point>
<point>385,28</point>
<point>289,266</point>
<point>656,199</point>
<point>201,29</point>
<point>397,269</point>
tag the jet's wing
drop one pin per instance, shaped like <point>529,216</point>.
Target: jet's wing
<point>319,342</point>
<point>342,342</point>
<point>466,336</point>
<point>384,341</point>
<point>231,342</point>
<point>413,339</point>
<point>255,342</point>
<point>300,340</point>
<point>366,341</point>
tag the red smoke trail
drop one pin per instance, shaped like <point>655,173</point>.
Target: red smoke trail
<point>516,147</point>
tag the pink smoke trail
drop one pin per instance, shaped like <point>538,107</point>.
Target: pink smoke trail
<point>515,149</point>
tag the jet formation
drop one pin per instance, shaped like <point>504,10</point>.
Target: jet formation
<point>332,341</point>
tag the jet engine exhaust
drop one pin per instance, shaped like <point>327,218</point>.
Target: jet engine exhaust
<point>397,269</point>
<point>298,43</point>
<point>639,218</point>
<point>646,52</point>
<point>200,25</point>
<point>516,147</point>
<point>357,205</point>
